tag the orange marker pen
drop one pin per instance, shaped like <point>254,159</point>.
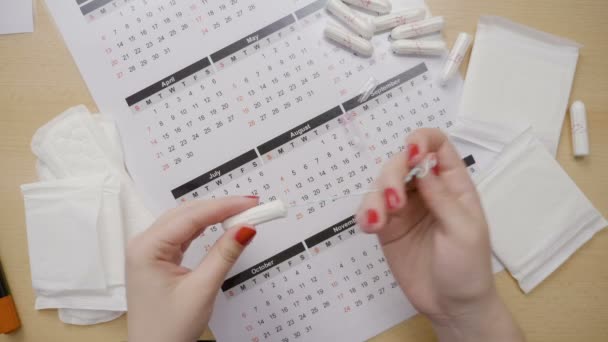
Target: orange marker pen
<point>9,320</point>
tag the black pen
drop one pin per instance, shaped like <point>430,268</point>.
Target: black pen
<point>9,320</point>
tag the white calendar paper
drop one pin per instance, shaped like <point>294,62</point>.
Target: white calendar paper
<point>244,97</point>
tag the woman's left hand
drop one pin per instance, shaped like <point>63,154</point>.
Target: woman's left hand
<point>168,302</point>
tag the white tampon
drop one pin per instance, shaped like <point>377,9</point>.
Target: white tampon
<point>459,50</point>
<point>363,27</point>
<point>418,28</point>
<point>418,47</point>
<point>258,215</point>
<point>380,6</point>
<point>398,18</point>
<point>343,37</point>
<point>578,124</point>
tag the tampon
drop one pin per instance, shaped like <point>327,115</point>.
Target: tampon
<point>380,6</point>
<point>578,124</point>
<point>418,28</point>
<point>343,37</point>
<point>418,47</point>
<point>459,50</point>
<point>395,19</point>
<point>258,215</point>
<point>363,27</point>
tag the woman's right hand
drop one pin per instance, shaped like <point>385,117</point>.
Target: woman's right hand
<point>436,241</point>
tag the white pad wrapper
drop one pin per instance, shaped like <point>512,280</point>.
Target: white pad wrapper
<point>79,217</point>
<point>537,215</point>
<point>258,215</point>
<point>61,219</point>
<point>517,74</point>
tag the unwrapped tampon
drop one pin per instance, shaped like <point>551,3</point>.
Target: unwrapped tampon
<point>578,123</point>
<point>452,63</point>
<point>379,6</point>
<point>258,215</point>
<point>418,47</point>
<point>401,17</point>
<point>345,38</point>
<point>365,28</point>
<point>418,28</point>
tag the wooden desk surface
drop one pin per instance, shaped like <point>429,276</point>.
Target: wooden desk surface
<point>38,80</point>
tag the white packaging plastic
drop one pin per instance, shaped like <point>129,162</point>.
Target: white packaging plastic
<point>578,125</point>
<point>379,6</point>
<point>401,17</point>
<point>418,28</point>
<point>363,27</point>
<point>418,47</point>
<point>350,41</point>
<point>452,63</point>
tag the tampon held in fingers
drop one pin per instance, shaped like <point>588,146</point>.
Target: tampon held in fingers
<point>257,215</point>
<point>418,28</point>
<point>401,17</point>
<point>418,47</point>
<point>452,63</point>
<point>578,123</point>
<point>379,6</point>
<point>363,27</point>
<point>343,37</point>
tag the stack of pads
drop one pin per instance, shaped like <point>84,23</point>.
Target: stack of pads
<point>79,217</point>
<point>85,207</point>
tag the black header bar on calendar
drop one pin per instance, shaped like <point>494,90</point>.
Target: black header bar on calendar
<point>80,2</point>
<point>331,231</point>
<point>299,130</point>
<point>93,5</point>
<point>252,38</point>
<point>386,86</point>
<point>168,81</point>
<point>263,266</point>
<point>468,160</point>
<point>214,174</point>
<point>310,9</point>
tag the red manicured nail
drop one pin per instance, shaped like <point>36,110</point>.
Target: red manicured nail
<point>244,235</point>
<point>372,216</point>
<point>412,151</point>
<point>391,197</point>
<point>436,169</point>
<point>253,197</point>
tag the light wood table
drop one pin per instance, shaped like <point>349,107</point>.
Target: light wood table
<point>38,80</point>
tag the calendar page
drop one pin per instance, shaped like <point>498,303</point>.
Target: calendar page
<point>243,97</point>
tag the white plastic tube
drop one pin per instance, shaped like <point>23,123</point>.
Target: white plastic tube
<point>350,41</point>
<point>257,215</point>
<point>578,124</point>
<point>363,27</point>
<point>379,6</point>
<point>401,17</point>
<point>418,47</point>
<point>459,50</point>
<point>418,28</point>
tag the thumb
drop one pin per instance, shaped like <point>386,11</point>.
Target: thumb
<point>225,252</point>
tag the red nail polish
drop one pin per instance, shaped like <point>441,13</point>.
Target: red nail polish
<point>436,169</point>
<point>244,235</point>
<point>372,216</point>
<point>391,197</point>
<point>412,151</point>
<point>253,197</point>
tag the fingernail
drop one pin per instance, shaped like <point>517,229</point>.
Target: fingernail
<point>412,151</point>
<point>436,169</point>
<point>372,216</point>
<point>244,235</point>
<point>391,197</point>
<point>253,197</point>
